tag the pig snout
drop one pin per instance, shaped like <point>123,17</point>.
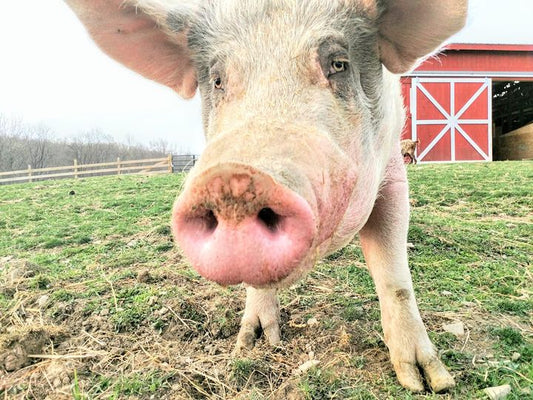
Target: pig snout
<point>237,224</point>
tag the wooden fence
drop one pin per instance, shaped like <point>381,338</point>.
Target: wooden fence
<point>148,166</point>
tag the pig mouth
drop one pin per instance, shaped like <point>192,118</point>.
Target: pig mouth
<point>237,225</point>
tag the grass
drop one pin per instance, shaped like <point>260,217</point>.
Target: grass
<point>124,316</point>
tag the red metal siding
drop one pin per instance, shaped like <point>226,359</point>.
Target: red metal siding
<point>476,61</point>
<point>441,151</point>
<point>492,60</point>
<point>464,151</point>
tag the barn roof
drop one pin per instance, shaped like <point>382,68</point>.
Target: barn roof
<point>489,47</point>
<point>497,61</point>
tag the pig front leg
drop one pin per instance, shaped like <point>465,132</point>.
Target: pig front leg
<point>384,239</point>
<point>261,312</point>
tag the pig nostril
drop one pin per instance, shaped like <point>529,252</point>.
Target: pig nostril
<point>209,221</point>
<point>269,218</point>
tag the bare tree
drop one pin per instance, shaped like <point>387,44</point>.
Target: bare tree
<point>161,146</point>
<point>38,145</point>
<point>11,150</point>
<point>91,147</point>
<point>23,144</point>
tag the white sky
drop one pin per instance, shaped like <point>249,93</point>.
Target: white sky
<point>51,73</point>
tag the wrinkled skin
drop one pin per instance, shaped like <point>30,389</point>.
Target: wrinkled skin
<point>302,116</point>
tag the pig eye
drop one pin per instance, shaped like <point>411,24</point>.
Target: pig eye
<point>217,83</point>
<point>338,66</point>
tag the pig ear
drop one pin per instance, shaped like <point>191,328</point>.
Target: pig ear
<point>138,35</point>
<point>411,29</point>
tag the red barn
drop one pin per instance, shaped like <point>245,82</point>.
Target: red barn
<point>467,103</point>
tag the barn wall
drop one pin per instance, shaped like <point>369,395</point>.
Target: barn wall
<point>516,145</point>
<point>495,61</point>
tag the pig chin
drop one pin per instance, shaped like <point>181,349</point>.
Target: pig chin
<point>236,225</point>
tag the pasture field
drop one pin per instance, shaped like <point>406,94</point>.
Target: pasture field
<point>96,303</point>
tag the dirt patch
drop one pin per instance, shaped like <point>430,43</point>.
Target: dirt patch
<point>14,271</point>
<point>22,346</point>
<point>27,368</point>
<point>178,341</point>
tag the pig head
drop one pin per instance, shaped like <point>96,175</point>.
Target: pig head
<point>302,114</point>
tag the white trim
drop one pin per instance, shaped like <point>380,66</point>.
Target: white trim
<point>451,162</point>
<point>412,108</point>
<point>474,121</point>
<point>489,114</point>
<point>463,121</point>
<point>432,122</point>
<point>462,74</point>
<point>453,79</point>
<point>453,120</point>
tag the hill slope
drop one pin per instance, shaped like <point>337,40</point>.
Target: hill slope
<point>95,302</point>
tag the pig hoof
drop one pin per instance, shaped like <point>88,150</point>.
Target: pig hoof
<point>272,333</point>
<point>409,377</point>
<point>246,338</point>
<point>437,376</point>
<point>249,333</point>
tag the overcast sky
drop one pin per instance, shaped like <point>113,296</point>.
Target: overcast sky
<point>51,73</point>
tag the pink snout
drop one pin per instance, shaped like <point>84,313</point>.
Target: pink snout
<point>236,224</point>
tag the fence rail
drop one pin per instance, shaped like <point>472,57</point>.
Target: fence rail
<point>164,165</point>
<point>183,162</point>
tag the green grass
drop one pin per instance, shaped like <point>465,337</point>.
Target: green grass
<point>171,333</point>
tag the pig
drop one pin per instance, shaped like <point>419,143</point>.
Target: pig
<point>302,113</point>
<point>408,148</point>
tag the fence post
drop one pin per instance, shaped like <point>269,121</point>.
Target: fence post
<point>29,174</point>
<point>169,159</point>
<point>118,165</point>
<point>75,168</point>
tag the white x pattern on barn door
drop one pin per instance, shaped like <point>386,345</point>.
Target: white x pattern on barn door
<point>452,120</point>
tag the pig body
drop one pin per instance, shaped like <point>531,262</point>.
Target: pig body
<point>302,114</point>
